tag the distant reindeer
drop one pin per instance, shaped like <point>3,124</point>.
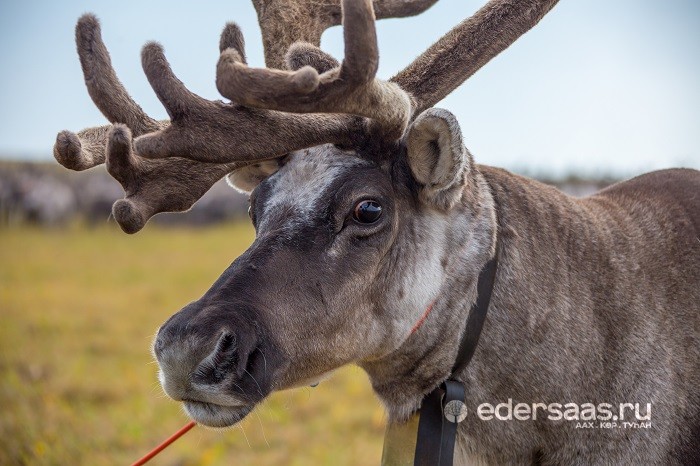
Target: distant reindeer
<point>373,223</point>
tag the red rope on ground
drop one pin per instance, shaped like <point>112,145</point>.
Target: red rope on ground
<point>167,442</point>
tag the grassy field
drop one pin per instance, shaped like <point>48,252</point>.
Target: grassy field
<point>78,310</point>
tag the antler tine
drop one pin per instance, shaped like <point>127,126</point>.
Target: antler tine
<point>303,54</point>
<point>83,150</point>
<point>154,186</point>
<point>284,22</point>
<point>350,88</point>
<point>232,38</point>
<point>87,148</point>
<point>104,87</point>
<point>171,92</point>
<point>401,8</point>
<point>361,52</point>
<point>466,48</point>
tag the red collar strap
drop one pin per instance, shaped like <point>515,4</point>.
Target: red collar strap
<point>437,428</point>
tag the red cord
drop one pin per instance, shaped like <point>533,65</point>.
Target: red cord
<point>417,325</point>
<point>167,442</point>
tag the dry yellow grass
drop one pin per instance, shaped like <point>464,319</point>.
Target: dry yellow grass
<point>78,309</point>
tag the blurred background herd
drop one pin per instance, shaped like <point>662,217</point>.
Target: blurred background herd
<point>47,195</point>
<point>599,91</point>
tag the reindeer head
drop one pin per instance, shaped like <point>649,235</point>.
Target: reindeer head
<point>366,203</point>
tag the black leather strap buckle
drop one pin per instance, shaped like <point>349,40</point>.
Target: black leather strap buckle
<point>442,410</point>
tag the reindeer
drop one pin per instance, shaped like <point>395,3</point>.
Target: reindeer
<point>373,223</point>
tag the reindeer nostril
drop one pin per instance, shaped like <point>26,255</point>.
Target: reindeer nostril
<point>215,367</point>
<point>225,349</point>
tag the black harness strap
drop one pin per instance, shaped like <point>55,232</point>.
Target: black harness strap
<point>442,409</point>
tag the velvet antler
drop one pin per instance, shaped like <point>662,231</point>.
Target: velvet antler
<point>273,111</point>
<point>310,18</point>
<point>202,135</point>
<point>349,88</point>
<point>151,186</point>
<point>176,183</point>
<point>470,45</point>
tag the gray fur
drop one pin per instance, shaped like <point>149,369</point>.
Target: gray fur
<point>596,299</point>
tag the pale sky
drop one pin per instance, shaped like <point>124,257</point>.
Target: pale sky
<point>598,86</point>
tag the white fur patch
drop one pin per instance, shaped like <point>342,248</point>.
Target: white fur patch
<point>245,179</point>
<point>301,184</point>
<point>422,282</point>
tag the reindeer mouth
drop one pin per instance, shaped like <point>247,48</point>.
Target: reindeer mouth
<point>214,415</point>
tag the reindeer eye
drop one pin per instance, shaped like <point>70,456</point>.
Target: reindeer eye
<point>367,212</point>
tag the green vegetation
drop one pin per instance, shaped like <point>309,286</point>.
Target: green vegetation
<point>78,310</point>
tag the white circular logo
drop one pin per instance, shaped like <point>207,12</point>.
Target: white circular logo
<point>455,411</point>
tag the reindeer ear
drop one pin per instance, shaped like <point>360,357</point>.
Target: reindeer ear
<point>246,178</point>
<point>437,157</point>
